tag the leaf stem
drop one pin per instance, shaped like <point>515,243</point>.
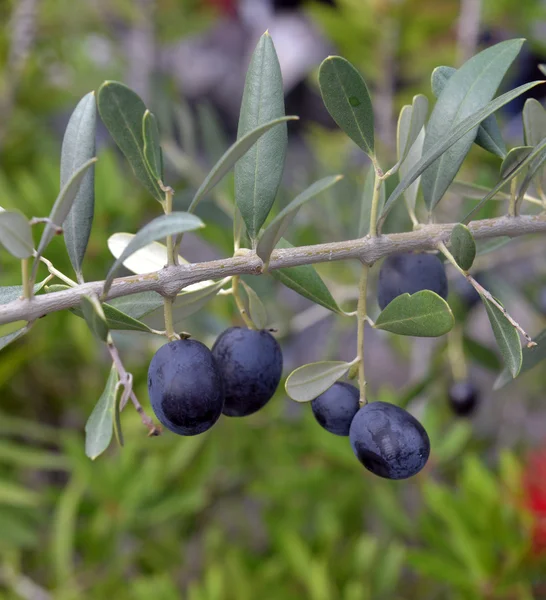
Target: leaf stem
<point>239,302</point>
<point>25,276</point>
<point>485,294</point>
<point>53,271</point>
<point>361,321</point>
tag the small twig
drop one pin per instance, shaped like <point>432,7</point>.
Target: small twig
<point>57,273</point>
<point>361,321</point>
<point>25,276</point>
<point>240,304</point>
<point>36,220</point>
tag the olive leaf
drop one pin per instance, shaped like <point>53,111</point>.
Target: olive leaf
<point>309,381</point>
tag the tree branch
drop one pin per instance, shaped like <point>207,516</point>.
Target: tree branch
<point>170,280</point>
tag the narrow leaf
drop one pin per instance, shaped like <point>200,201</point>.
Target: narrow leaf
<point>305,281</point>
<point>450,138</point>
<point>233,156</point>
<point>534,129</point>
<point>423,314</point>
<point>159,228</point>
<point>275,230</point>
<point>61,208</point>
<point>514,159</point>
<point>410,124</point>
<point>414,156</point>
<point>122,111</point>
<point>94,317</point>
<point>153,257</point>
<point>489,136</point>
<point>78,148</point>
<point>10,293</point>
<point>256,309</point>
<point>346,96</point>
<point>15,234</point>
<point>152,147</point>
<point>507,338</point>
<point>531,357</point>
<point>138,305</point>
<point>469,89</point>
<point>474,191</point>
<point>463,246</point>
<point>11,337</point>
<point>99,427</point>
<point>309,381</point>
<point>259,172</point>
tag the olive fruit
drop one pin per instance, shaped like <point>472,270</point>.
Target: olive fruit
<point>335,408</point>
<point>410,273</point>
<point>185,386</point>
<point>250,363</point>
<point>389,441</point>
<point>463,398</point>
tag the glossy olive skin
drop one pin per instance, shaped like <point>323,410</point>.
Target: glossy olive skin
<point>410,273</point>
<point>336,407</point>
<point>463,398</point>
<point>389,441</point>
<point>185,386</point>
<point>250,363</point>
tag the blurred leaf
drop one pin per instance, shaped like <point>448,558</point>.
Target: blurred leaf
<point>61,208</point>
<point>423,314</point>
<point>366,202</point>
<point>410,124</point>
<point>387,573</point>
<point>463,246</point>
<point>275,230</point>
<point>451,445</point>
<point>78,148</point>
<point>469,89</point>
<point>15,234</point>
<point>507,337</point>
<point>450,138</point>
<point>474,191</point>
<point>122,112</point>
<point>233,156</point>
<point>531,357</point>
<point>259,172</point>
<point>212,133</point>
<point>348,101</point>
<point>152,147</point>
<point>305,281</point>
<point>514,159</point>
<point>309,381</point>
<point>159,228</point>
<point>486,246</point>
<point>32,458</point>
<point>15,495</point>
<point>185,304</point>
<point>440,568</point>
<point>153,257</point>
<point>100,425</point>
<point>481,354</point>
<point>489,136</point>
<point>94,317</point>
<point>11,337</point>
<point>256,309</point>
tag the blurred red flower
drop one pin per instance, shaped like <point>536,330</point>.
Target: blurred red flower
<point>534,485</point>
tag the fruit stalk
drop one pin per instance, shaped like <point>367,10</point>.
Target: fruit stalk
<point>240,304</point>
<point>171,261</point>
<point>361,317</point>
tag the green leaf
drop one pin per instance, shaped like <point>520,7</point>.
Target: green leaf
<point>150,258</point>
<point>413,157</point>
<point>534,168</point>
<point>468,90</point>
<point>481,354</point>
<point>259,172</point>
<point>99,427</point>
<point>514,159</point>
<point>233,156</point>
<point>138,305</point>
<point>122,111</point>
<point>159,228</point>
<point>410,124</point>
<point>275,230</point>
<point>61,208</point>
<point>345,95</point>
<point>10,293</point>
<point>256,309</point>
<point>309,381</point>
<point>531,357</point>
<point>534,129</point>
<point>473,191</point>
<point>185,304</point>
<point>305,281</point>
<point>94,317</point>
<point>11,337</point>
<point>450,138</point>
<point>152,147</point>
<point>489,136</point>
<point>78,148</point>
<point>366,202</point>
<point>423,314</point>
<point>15,234</point>
<point>507,337</point>
<point>463,246</point>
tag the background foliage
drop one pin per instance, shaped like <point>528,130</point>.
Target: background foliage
<point>271,506</point>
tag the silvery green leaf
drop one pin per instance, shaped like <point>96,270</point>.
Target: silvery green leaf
<point>100,425</point>
<point>15,234</point>
<point>309,381</point>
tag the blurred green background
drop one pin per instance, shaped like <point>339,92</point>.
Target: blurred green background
<point>270,506</point>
